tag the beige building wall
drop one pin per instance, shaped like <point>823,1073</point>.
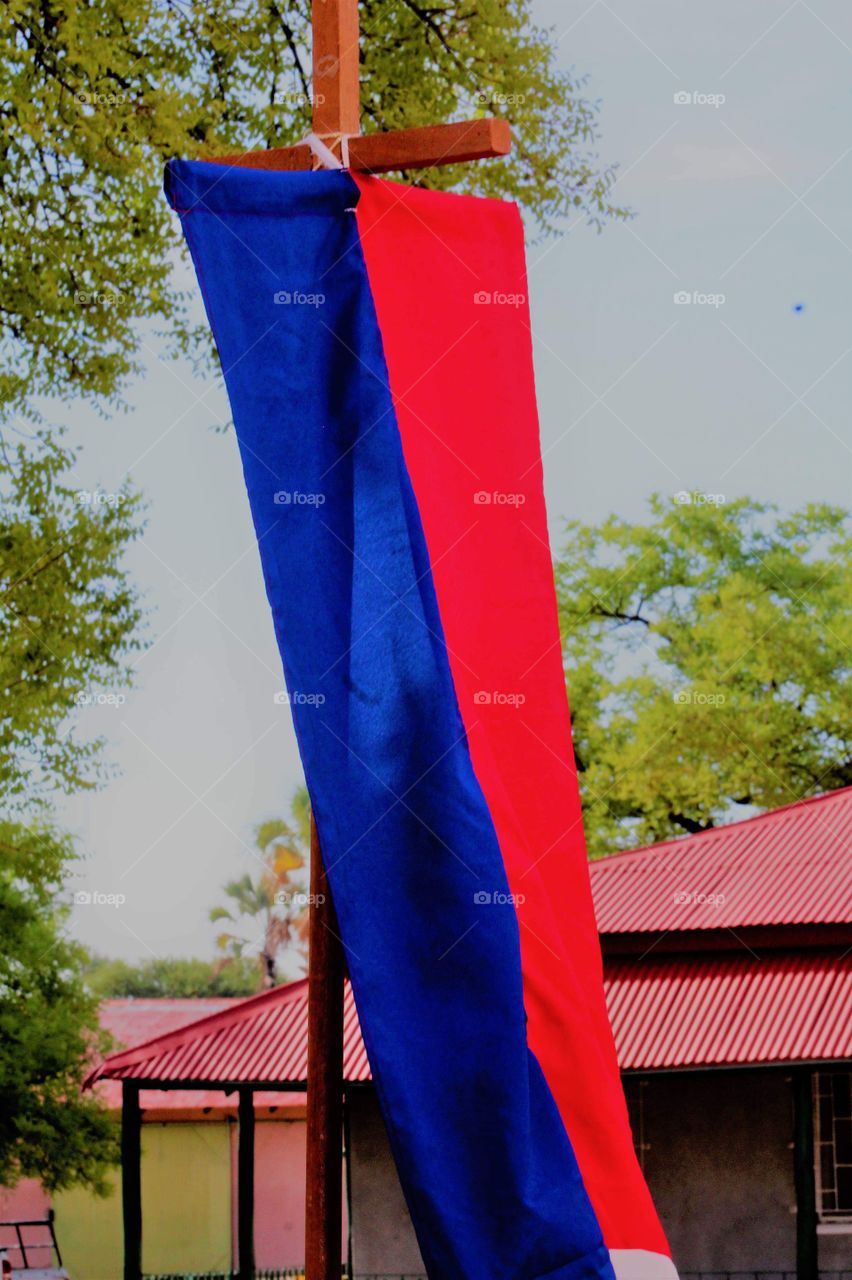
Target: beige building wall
<point>717,1155</point>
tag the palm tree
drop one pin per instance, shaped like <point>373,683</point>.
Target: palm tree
<point>270,911</point>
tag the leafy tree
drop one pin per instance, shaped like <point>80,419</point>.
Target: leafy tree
<point>68,626</point>
<point>49,1029</point>
<point>69,618</point>
<point>268,912</point>
<point>97,96</point>
<point>707,656</point>
<point>171,977</point>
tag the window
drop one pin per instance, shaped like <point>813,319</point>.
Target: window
<point>833,1139</point>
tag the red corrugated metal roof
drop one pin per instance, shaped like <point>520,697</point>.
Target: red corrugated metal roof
<point>735,1010</point>
<point>789,866</point>
<point>131,1021</point>
<point>134,1021</point>
<point>666,1012</point>
<point>263,1038</point>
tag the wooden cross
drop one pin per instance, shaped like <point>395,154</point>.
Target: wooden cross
<point>337,115</point>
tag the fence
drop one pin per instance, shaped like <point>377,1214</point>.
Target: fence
<point>295,1273</point>
<point>299,1274</point>
<point>759,1275</point>
<point>30,1242</point>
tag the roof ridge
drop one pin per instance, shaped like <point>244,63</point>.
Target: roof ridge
<point>765,816</point>
<point>161,1000</point>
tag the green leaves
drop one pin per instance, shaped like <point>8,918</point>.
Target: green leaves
<point>171,977</point>
<point>97,96</point>
<point>49,1029</point>
<point>68,618</point>
<point>707,657</point>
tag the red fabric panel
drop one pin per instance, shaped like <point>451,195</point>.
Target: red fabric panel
<point>462,380</point>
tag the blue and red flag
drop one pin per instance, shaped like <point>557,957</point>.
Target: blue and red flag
<point>376,349</point>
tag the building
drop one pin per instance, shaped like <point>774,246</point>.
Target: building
<point>728,961</point>
<point>189,1171</point>
<point>728,971</point>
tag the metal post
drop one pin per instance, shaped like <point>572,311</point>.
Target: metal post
<point>22,1248</point>
<point>245,1183</point>
<point>131,1179</point>
<point>323,1201</point>
<point>807,1254</point>
<point>51,1217</point>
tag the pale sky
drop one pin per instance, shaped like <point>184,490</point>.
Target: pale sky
<point>742,195</point>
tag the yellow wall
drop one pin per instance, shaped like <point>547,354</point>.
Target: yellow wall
<point>186,1215</point>
<point>88,1232</point>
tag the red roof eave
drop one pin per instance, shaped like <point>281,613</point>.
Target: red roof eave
<point>666,1012</point>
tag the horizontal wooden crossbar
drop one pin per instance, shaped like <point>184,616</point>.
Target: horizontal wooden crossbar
<point>419,148</point>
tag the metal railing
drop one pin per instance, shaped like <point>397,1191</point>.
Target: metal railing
<point>759,1274</point>
<point>30,1253</point>
<point>286,1273</point>
<point>297,1273</point>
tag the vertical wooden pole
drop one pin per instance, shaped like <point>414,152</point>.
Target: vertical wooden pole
<point>323,1200</point>
<point>131,1179</point>
<point>336,101</point>
<point>336,110</point>
<point>807,1243</point>
<point>245,1183</point>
